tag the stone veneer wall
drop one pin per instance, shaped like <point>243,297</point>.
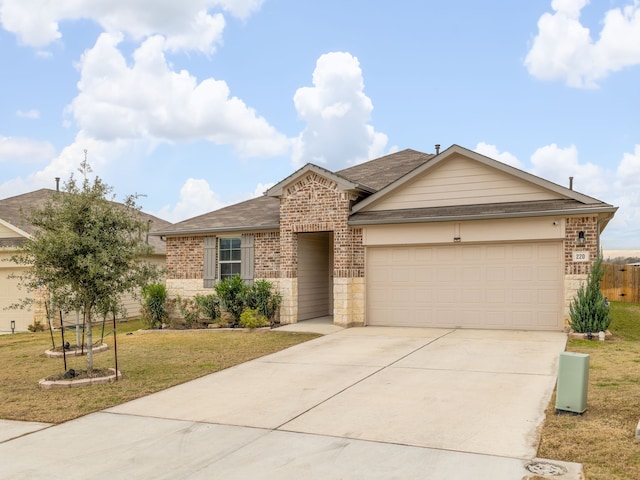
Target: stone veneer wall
<point>575,273</point>
<point>316,204</point>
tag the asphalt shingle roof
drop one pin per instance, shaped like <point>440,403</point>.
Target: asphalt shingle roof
<point>264,212</point>
<point>255,214</point>
<point>383,171</point>
<point>11,212</point>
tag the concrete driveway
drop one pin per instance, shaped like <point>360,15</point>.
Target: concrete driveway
<point>374,403</point>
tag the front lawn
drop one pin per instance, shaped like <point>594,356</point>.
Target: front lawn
<point>603,438</point>
<point>149,361</point>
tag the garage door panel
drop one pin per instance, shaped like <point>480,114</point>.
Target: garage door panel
<point>401,256</point>
<point>496,274</point>
<point>471,254</point>
<point>549,251</point>
<point>523,320</point>
<point>402,275</point>
<point>495,295</point>
<point>517,286</point>
<point>472,274</point>
<point>423,254</point>
<point>472,319</point>
<point>522,297</point>
<point>496,319</point>
<point>473,296</point>
<point>424,274</point>
<point>547,297</point>
<point>522,252</point>
<point>443,254</point>
<point>521,274</point>
<point>446,274</point>
<point>496,252</point>
<point>546,320</point>
<point>547,273</point>
<point>401,295</point>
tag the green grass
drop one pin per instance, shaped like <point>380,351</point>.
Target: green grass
<point>150,361</point>
<point>603,438</point>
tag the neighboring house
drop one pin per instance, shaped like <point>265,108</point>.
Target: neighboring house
<point>454,239</point>
<point>14,232</point>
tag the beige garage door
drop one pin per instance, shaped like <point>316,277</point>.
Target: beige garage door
<point>511,286</point>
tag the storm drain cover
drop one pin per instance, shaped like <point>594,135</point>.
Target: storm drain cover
<point>545,468</point>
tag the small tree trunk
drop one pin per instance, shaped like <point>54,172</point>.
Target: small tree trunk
<point>88,328</point>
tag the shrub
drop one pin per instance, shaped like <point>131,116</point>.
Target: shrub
<point>209,306</point>
<point>189,309</point>
<point>251,318</point>
<point>37,326</point>
<point>588,311</point>
<point>154,304</point>
<point>260,297</point>
<point>232,293</point>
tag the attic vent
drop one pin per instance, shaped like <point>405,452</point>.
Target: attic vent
<point>437,148</point>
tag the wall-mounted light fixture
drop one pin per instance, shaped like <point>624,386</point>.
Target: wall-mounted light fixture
<point>581,238</point>
<point>13,326</point>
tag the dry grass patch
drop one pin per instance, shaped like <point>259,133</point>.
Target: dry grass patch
<point>603,438</point>
<point>150,361</point>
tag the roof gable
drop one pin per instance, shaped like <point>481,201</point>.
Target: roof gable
<point>342,182</point>
<point>462,177</point>
<point>8,230</point>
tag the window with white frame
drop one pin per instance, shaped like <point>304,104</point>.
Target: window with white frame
<point>229,257</point>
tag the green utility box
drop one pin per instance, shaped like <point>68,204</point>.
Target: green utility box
<point>573,382</point>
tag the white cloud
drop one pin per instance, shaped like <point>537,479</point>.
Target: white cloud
<point>492,151</point>
<point>32,114</point>
<point>558,164</point>
<point>196,198</point>
<point>564,48</point>
<point>188,24</point>
<point>261,188</point>
<point>148,100</point>
<point>100,155</point>
<point>336,112</point>
<point>25,150</point>
<point>628,171</point>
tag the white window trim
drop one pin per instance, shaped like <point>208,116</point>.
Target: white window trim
<point>220,262</point>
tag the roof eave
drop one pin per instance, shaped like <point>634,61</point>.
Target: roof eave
<point>203,231</point>
<point>487,216</point>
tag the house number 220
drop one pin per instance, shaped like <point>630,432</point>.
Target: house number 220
<point>580,256</point>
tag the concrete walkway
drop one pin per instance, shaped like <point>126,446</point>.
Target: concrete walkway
<point>362,403</point>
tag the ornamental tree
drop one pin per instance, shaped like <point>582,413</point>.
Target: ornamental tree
<point>589,311</point>
<point>86,250</point>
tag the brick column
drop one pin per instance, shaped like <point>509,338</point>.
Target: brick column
<point>575,273</point>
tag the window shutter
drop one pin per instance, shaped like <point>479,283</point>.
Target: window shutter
<point>209,262</point>
<point>246,267</point>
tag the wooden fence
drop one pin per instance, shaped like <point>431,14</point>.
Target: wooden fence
<point>621,283</point>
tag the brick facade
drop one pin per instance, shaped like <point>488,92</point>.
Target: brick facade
<point>267,255</point>
<point>575,273</point>
<point>315,204</point>
<point>185,257</point>
<point>588,225</point>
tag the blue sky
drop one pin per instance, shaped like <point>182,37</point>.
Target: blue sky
<point>203,103</point>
